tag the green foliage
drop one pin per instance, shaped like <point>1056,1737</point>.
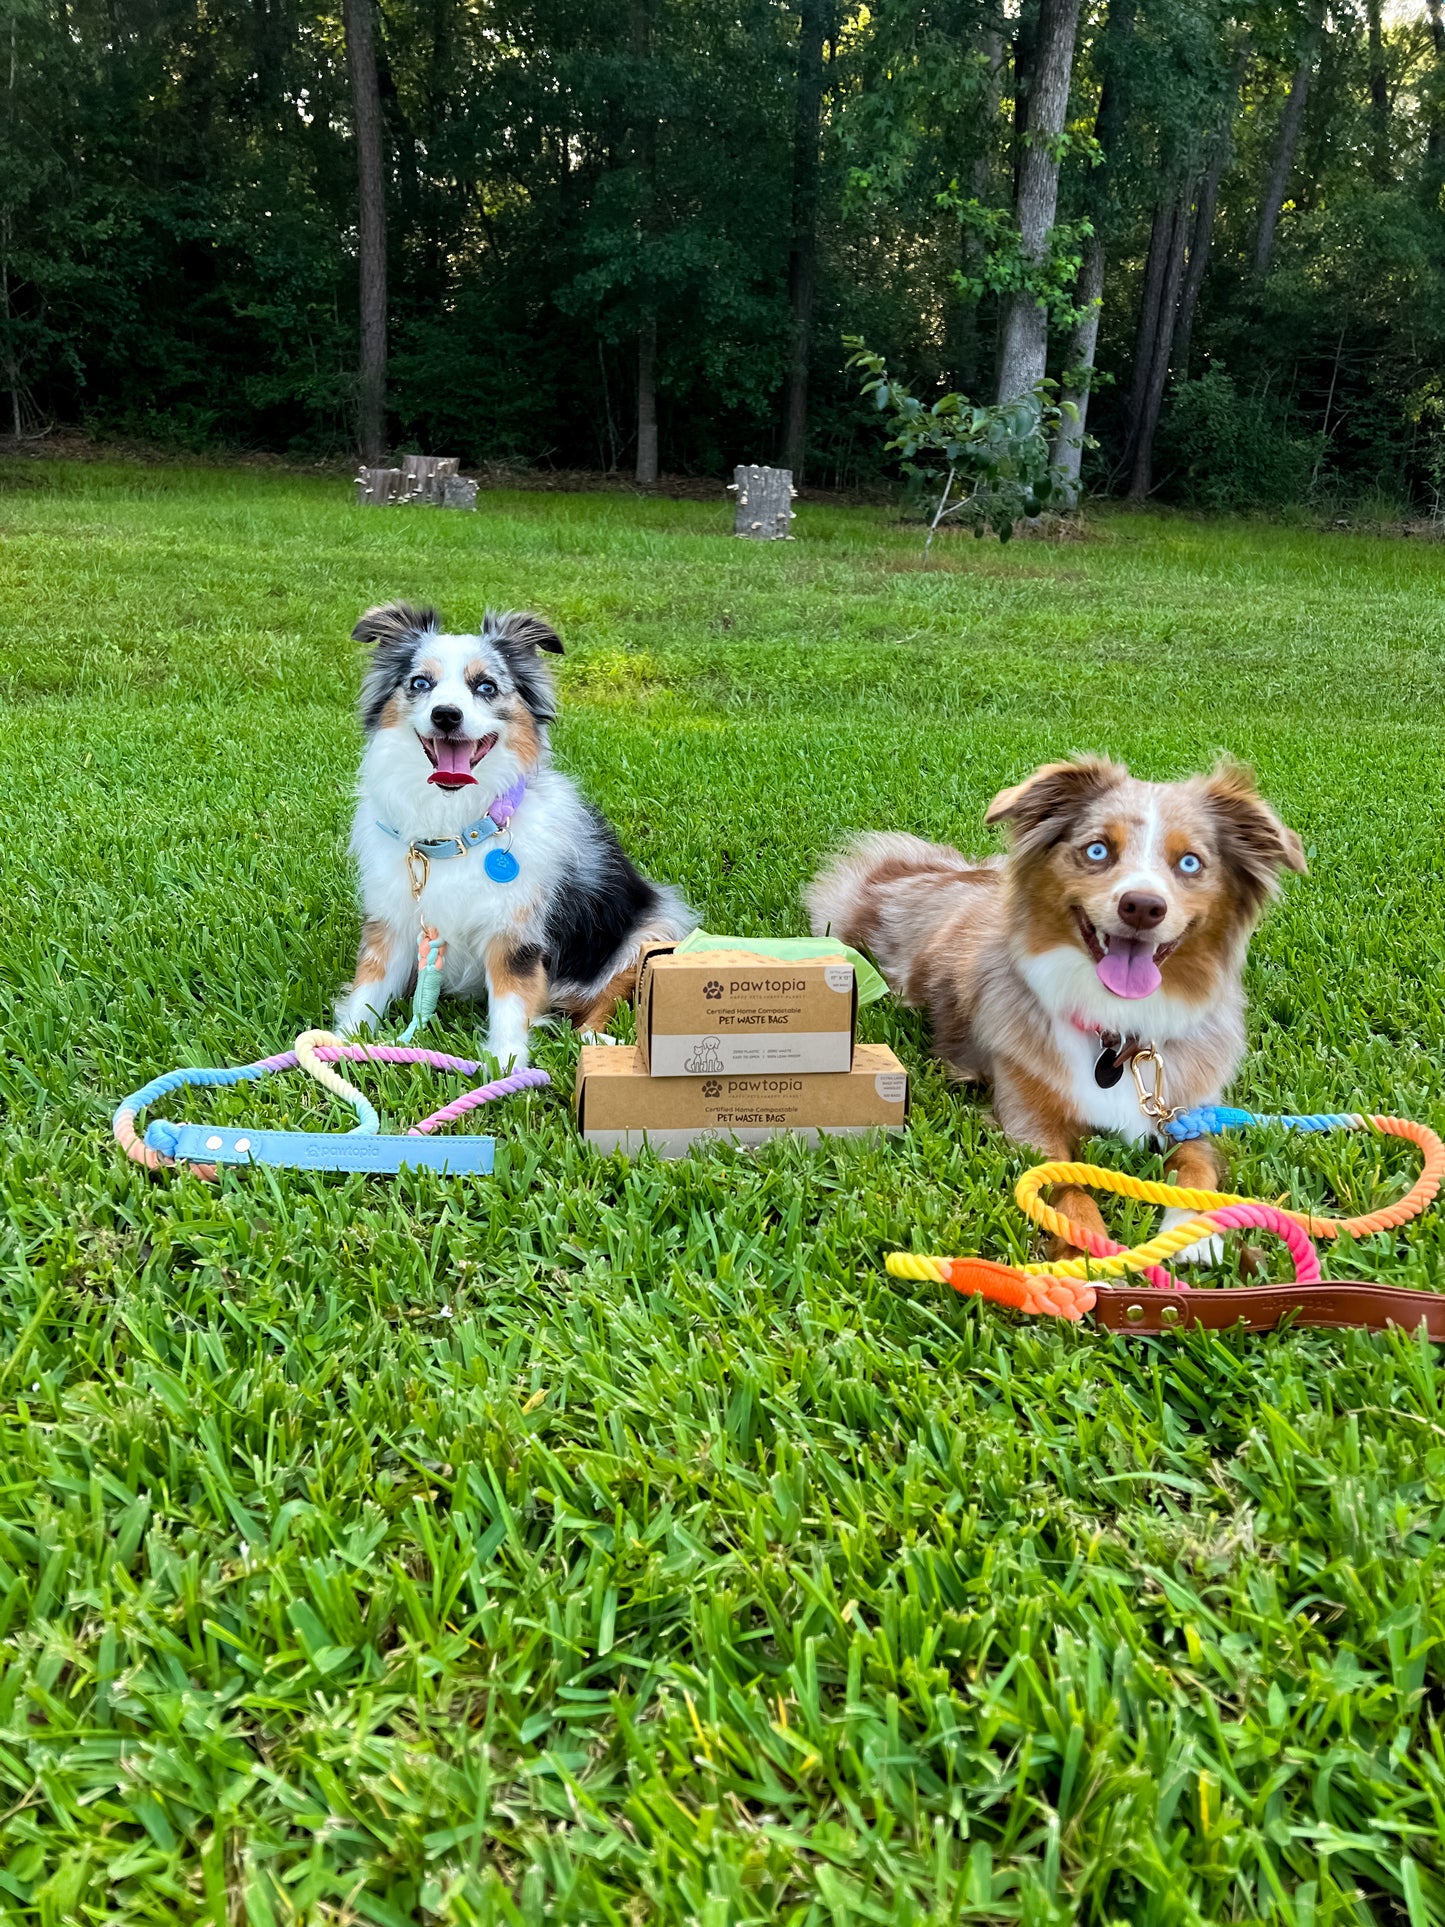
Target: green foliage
<point>615,1542</point>
<point>178,213</point>
<point>1235,451</point>
<point>1004,268</point>
<point>998,454</point>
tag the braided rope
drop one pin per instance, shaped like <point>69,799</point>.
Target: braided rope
<point>315,1052</point>
<point>123,1124</point>
<point>431,957</point>
<point>1032,1287</point>
<point>1166,1244</point>
<point>1002,1284</point>
<point>368,1122</point>
<point>469,1100</point>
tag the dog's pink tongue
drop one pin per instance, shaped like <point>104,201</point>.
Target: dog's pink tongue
<point>1128,968</point>
<point>454,763</point>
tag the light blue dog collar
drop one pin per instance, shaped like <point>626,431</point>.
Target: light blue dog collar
<point>432,849</point>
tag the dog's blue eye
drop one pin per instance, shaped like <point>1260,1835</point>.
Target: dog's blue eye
<point>1097,852</point>
<point>1190,864</point>
<point>484,689</point>
<point>419,685</point>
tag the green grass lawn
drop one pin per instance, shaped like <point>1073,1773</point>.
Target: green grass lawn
<point>616,1542</point>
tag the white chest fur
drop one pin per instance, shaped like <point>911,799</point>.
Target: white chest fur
<point>467,907</point>
<point>1114,1110</point>
<point>1064,982</point>
<point>460,899</point>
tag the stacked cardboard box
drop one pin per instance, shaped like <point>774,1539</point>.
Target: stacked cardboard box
<point>735,1045</point>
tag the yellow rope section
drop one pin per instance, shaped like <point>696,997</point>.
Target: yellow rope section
<point>1158,1249</point>
<point>1163,1246</point>
<point>908,1264</point>
<point>330,1078</point>
<point>1166,1245</point>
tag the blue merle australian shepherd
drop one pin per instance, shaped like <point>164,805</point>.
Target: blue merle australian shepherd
<point>464,827</point>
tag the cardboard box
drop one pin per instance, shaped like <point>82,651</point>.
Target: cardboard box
<point>619,1107</point>
<point>714,1013</point>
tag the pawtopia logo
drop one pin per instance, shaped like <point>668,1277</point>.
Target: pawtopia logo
<point>712,991</point>
<point>712,1088</point>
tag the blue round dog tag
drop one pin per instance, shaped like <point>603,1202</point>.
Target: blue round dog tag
<point>501,866</point>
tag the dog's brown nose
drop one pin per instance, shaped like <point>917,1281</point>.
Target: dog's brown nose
<point>1142,909</point>
<point>447,717</point>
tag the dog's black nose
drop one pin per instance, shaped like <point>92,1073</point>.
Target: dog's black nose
<point>446,717</point>
<point>1139,908</point>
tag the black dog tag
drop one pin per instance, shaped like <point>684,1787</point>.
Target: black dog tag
<point>1108,1068</point>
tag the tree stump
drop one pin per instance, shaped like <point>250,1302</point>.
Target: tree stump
<point>459,492</point>
<point>763,510</point>
<point>423,476</point>
<point>375,487</point>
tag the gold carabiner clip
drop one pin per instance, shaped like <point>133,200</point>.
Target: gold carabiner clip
<point>418,868</point>
<point>1152,1100</point>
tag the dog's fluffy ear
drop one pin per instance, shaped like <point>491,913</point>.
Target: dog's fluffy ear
<point>1040,809</point>
<point>393,630</point>
<point>518,631</point>
<point>395,622</point>
<point>520,636</point>
<point>1252,840</point>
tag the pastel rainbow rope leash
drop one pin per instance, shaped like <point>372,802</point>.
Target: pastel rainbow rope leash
<point>365,1147</point>
<point>1061,1289</point>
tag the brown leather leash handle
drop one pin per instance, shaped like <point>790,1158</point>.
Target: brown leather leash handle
<point>1261,1308</point>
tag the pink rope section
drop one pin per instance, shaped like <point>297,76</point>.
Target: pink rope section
<point>469,1100</point>
<point>1234,1217</point>
<point>375,1054</point>
<point>439,1061</point>
<point>1230,1217</point>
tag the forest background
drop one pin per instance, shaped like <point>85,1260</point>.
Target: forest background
<point>634,236</point>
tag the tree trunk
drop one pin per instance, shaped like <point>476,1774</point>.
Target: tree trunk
<point>1141,472</point>
<point>802,253</point>
<point>1150,307</point>
<point>1285,144</point>
<point>1379,95</point>
<point>645,149</point>
<point>1202,239</point>
<point>647,403</point>
<point>1435,137</point>
<point>1068,453</point>
<point>269,57</point>
<point>763,510</point>
<point>1023,347</point>
<point>1200,243</point>
<point>964,349</point>
<point>376,487</point>
<point>423,477</point>
<point>371,226</point>
<point>1109,123</point>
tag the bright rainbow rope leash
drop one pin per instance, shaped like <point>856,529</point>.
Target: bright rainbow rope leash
<point>364,1148</point>
<point>1061,1289</point>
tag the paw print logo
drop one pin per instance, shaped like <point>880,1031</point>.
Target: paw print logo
<point>712,1088</point>
<point>712,991</point>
